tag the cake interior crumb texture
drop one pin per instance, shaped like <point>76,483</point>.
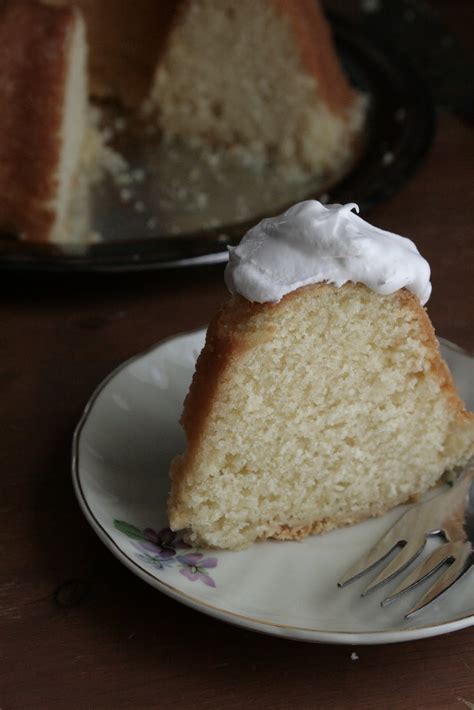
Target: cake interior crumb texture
<point>325,409</point>
<point>262,76</point>
<point>73,125</point>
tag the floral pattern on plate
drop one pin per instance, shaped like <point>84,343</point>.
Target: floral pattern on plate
<point>161,549</point>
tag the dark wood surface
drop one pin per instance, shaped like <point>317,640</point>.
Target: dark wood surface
<point>78,630</point>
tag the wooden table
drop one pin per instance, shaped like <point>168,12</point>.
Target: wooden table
<point>78,630</point>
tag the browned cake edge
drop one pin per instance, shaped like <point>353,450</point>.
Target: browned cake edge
<point>34,41</point>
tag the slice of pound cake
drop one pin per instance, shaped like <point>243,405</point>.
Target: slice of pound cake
<point>320,398</point>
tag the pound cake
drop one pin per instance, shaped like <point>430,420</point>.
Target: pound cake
<point>43,97</point>
<point>262,78</point>
<point>320,398</point>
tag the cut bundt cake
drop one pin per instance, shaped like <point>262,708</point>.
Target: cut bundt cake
<point>260,77</point>
<point>320,398</point>
<point>43,98</point>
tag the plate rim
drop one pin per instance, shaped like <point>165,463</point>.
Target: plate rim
<point>293,632</point>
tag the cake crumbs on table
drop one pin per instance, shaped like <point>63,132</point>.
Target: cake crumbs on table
<point>369,6</point>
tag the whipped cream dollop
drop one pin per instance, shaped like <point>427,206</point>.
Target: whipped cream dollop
<point>312,243</point>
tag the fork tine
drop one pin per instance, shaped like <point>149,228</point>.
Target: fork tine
<point>378,553</point>
<point>460,553</point>
<point>407,554</point>
<point>393,538</point>
<point>421,572</point>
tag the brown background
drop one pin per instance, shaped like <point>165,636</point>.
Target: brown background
<point>77,630</point>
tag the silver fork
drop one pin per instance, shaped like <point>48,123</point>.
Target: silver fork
<point>449,515</point>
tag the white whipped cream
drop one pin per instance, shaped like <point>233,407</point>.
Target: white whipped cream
<point>313,243</point>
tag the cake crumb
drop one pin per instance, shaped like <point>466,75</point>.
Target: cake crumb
<point>388,158</point>
<point>370,6</point>
<point>213,159</point>
<point>201,200</point>
<point>354,656</point>
<point>120,124</point>
<point>195,174</point>
<point>125,195</point>
<point>95,237</point>
<point>122,179</point>
<point>138,175</point>
<point>400,114</point>
<point>107,134</point>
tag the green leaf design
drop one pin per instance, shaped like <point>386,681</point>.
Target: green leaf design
<point>129,530</point>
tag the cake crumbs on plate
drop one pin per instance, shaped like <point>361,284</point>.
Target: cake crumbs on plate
<point>138,175</point>
<point>388,158</point>
<point>120,124</point>
<point>125,194</point>
<point>201,200</point>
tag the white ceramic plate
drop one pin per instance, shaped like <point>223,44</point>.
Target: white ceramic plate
<point>122,449</point>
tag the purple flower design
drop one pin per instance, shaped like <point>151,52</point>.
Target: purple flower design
<point>195,567</point>
<point>160,549</point>
<point>164,543</point>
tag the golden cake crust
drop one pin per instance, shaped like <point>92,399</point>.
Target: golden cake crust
<point>29,144</point>
<point>317,50</point>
